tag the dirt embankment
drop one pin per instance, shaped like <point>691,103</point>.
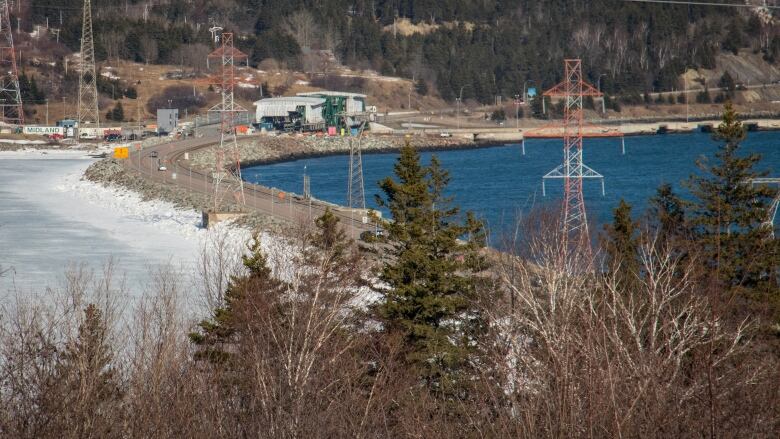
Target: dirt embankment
<point>109,172</point>
<point>267,149</point>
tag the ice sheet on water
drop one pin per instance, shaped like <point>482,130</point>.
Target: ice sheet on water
<point>51,218</point>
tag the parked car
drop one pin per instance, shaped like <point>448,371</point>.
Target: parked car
<point>162,168</point>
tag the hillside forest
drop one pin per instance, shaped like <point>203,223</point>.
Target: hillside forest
<point>473,49</point>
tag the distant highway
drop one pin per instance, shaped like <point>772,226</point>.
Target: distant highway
<point>258,198</point>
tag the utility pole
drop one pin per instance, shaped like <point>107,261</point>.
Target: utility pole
<point>525,89</point>
<point>11,108</point>
<point>603,105</point>
<point>459,99</point>
<point>88,95</point>
<point>138,116</point>
<point>457,111</point>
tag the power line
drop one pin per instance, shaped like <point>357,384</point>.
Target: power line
<point>694,3</point>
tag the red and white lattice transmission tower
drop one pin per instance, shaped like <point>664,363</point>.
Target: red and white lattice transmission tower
<point>227,172</point>
<point>573,171</point>
<point>10,95</point>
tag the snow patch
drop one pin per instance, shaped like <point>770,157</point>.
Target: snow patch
<point>48,154</point>
<point>56,219</point>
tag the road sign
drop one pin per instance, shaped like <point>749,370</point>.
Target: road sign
<point>121,152</point>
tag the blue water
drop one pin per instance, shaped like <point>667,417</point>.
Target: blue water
<point>499,183</point>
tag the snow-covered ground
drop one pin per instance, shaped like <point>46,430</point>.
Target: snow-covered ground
<point>51,219</point>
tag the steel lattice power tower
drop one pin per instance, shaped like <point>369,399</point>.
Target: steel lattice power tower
<point>10,96</point>
<point>573,171</point>
<point>88,95</point>
<point>356,195</point>
<point>774,206</point>
<point>227,177</point>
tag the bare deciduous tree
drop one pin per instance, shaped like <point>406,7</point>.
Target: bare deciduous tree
<point>583,355</point>
<point>303,27</point>
<point>113,42</point>
<point>149,49</point>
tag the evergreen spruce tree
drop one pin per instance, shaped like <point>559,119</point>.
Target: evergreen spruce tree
<point>536,107</point>
<point>421,87</point>
<point>329,236</point>
<point>727,213</point>
<point>431,282</point>
<point>326,251</point>
<point>131,92</point>
<point>25,89</point>
<point>666,214</point>
<point>118,113</point>
<point>230,320</point>
<point>622,243</point>
<point>36,94</point>
<point>87,382</point>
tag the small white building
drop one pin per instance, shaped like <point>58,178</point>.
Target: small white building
<point>309,109</point>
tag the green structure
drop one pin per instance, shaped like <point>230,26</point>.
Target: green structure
<point>342,110</point>
<point>333,111</point>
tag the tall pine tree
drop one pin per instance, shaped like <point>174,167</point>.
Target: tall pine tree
<point>622,243</point>
<point>88,385</point>
<point>727,213</point>
<point>666,215</point>
<point>431,277</point>
<point>233,319</point>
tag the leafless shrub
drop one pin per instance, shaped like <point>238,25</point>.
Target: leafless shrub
<point>162,388</point>
<point>218,261</point>
<point>182,97</point>
<point>289,355</point>
<point>580,355</point>
<point>194,56</point>
<point>57,377</point>
<point>341,83</point>
<point>572,353</point>
<point>303,27</point>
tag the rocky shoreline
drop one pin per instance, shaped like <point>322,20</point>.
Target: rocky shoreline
<point>110,172</point>
<point>258,150</point>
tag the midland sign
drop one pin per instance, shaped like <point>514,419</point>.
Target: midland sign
<point>44,131</point>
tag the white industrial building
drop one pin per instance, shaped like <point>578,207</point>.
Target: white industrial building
<point>302,109</point>
<point>355,102</point>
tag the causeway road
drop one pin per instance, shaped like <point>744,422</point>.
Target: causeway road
<point>282,205</point>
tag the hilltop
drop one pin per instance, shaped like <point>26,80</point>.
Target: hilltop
<point>423,55</point>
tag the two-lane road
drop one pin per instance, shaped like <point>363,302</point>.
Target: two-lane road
<point>258,198</point>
